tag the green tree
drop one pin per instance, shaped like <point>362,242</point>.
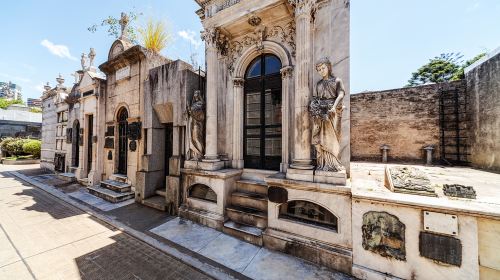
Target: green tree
<point>4,103</point>
<point>114,29</point>
<point>444,68</point>
<point>33,147</point>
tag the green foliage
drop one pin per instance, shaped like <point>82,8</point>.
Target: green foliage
<point>155,36</point>
<point>5,142</point>
<point>444,68</point>
<point>33,147</point>
<point>4,103</point>
<point>35,110</point>
<point>15,148</point>
<point>114,28</point>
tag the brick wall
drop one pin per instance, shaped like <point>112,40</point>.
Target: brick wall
<point>406,119</point>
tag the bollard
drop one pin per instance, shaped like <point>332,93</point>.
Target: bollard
<point>428,150</point>
<point>384,148</point>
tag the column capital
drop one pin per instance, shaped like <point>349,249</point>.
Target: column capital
<point>303,7</point>
<point>215,39</point>
<point>238,82</point>
<point>286,72</point>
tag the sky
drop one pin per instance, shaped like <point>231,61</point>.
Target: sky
<point>389,39</point>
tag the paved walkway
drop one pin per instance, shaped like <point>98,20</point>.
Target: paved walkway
<point>42,237</point>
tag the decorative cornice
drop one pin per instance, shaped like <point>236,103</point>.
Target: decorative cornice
<point>303,7</point>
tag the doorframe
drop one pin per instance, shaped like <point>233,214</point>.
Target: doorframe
<point>117,140</point>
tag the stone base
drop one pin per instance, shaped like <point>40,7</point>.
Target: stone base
<point>205,218</point>
<point>300,174</point>
<point>335,258</point>
<point>328,177</point>
<point>363,273</point>
<point>205,165</point>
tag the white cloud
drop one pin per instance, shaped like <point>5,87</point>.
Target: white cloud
<point>39,88</point>
<point>58,50</point>
<point>190,36</point>
<point>474,6</point>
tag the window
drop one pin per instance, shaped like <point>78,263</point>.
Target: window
<point>308,213</point>
<point>202,192</point>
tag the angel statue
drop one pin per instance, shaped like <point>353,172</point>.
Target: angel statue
<point>326,109</point>
<point>196,112</point>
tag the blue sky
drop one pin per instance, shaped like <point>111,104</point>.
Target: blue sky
<point>389,38</point>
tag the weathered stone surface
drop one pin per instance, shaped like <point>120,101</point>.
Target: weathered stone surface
<point>441,248</point>
<point>408,180</point>
<point>384,234</point>
<point>406,119</point>
<point>461,191</point>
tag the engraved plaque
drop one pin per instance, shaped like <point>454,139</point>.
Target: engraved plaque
<point>110,155</point>
<point>109,143</point>
<point>441,248</point>
<point>110,131</point>
<point>277,195</point>
<point>134,131</point>
<point>69,135</point>
<point>440,223</point>
<point>123,73</point>
<point>132,145</point>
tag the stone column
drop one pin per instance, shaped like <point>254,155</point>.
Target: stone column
<point>211,127</point>
<point>238,108</point>
<point>286,76</point>
<point>303,82</point>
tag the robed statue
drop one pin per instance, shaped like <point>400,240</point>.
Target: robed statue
<point>196,112</point>
<point>326,109</point>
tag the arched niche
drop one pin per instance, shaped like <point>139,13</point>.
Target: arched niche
<point>309,213</point>
<point>203,192</point>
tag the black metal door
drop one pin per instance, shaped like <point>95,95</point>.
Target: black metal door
<point>122,141</point>
<point>262,116</point>
<point>75,146</point>
<point>90,135</point>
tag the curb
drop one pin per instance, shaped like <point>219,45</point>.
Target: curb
<point>206,268</point>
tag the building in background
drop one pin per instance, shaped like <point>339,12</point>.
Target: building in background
<point>10,91</point>
<point>34,102</point>
<point>18,121</point>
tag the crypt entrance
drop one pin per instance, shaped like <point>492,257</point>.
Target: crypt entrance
<point>122,141</point>
<point>262,114</point>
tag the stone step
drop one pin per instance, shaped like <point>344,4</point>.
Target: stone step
<point>247,216</point>
<point>67,177</point>
<point>161,193</point>
<point>251,186</point>
<point>249,200</point>
<point>157,202</point>
<point>256,174</point>
<point>84,182</point>
<point>119,177</point>
<point>116,186</point>
<point>247,233</point>
<point>110,195</point>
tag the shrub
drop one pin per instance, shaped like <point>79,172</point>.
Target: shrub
<point>4,145</point>
<point>15,147</point>
<point>32,147</point>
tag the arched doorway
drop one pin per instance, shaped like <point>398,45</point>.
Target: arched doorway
<point>75,147</point>
<point>122,140</point>
<point>262,113</point>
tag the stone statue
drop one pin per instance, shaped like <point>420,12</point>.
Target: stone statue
<point>83,61</point>
<point>196,112</point>
<point>326,109</point>
<point>123,24</point>
<point>91,57</point>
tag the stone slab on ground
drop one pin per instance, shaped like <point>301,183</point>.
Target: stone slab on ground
<point>99,203</point>
<point>252,261</point>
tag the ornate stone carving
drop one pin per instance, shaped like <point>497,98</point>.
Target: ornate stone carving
<point>196,112</point>
<point>456,190</point>
<point>83,61</point>
<point>91,57</point>
<point>409,180</point>
<point>215,39</point>
<point>286,72</point>
<point>238,82</point>
<point>303,7</point>
<point>384,234</point>
<point>254,20</point>
<point>325,109</point>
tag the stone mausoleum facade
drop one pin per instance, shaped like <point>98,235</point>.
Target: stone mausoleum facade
<point>259,144</point>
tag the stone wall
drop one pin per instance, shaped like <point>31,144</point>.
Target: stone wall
<point>406,119</point>
<point>483,88</point>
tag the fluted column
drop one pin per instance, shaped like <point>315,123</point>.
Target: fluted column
<point>303,83</point>
<point>210,37</point>
<point>286,76</point>
<point>238,108</point>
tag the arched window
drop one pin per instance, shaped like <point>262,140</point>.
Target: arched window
<point>202,192</point>
<point>308,213</point>
<point>262,113</point>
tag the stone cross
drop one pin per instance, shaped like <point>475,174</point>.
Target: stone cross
<point>123,24</point>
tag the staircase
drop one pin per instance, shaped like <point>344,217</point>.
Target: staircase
<point>248,211</point>
<point>157,201</point>
<point>114,190</point>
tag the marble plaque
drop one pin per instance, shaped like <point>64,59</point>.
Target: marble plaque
<point>410,180</point>
<point>441,248</point>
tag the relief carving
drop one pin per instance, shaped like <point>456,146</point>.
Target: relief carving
<point>325,109</point>
<point>384,234</point>
<point>196,112</point>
